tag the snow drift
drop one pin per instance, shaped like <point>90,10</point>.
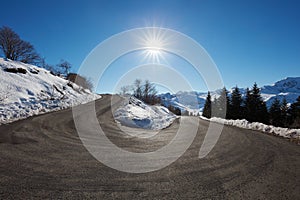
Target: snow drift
<point>135,113</point>
<point>242,123</point>
<point>27,90</point>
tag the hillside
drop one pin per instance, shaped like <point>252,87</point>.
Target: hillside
<point>27,90</point>
<point>193,101</point>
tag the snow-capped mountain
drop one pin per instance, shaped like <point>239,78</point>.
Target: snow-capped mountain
<point>186,101</point>
<point>288,88</point>
<point>192,101</point>
<point>27,90</point>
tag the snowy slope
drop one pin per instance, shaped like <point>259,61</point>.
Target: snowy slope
<point>191,101</point>
<point>27,90</point>
<point>135,113</point>
<point>288,88</point>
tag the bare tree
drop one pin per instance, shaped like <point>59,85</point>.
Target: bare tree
<point>65,66</point>
<point>144,91</point>
<point>88,84</point>
<point>149,92</point>
<point>14,48</point>
<point>138,88</point>
<point>81,80</point>
<point>124,90</point>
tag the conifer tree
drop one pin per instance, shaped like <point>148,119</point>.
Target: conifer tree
<point>275,113</point>
<point>295,114</point>
<point>207,106</point>
<point>255,108</point>
<point>235,109</point>
<point>249,106</point>
<point>284,112</point>
<point>222,104</point>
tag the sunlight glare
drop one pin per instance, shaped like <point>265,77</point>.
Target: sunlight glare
<point>154,42</point>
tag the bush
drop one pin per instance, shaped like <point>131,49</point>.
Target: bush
<point>174,110</point>
<point>80,80</point>
<point>16,70</point>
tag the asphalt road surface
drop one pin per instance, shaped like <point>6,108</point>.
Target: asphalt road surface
<point>43,158</point>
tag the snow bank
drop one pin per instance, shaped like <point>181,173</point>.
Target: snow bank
<point>27,90</point>
<point>135,113</point>
<point>284,132</point>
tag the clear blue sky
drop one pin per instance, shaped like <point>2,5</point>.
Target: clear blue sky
<point>250,41</point>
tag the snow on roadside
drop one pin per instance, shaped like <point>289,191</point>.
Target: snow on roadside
<point>242,123</point>
<point>27,90</point>
<point>135,113</point>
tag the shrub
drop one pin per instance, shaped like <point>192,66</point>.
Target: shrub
<point>16,70</point>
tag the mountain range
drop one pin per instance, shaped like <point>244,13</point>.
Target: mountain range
<point>192,101</point>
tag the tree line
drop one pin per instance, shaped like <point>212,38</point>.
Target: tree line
<point>144,91</point>
<point>252,108</point>
<point>14,48</point>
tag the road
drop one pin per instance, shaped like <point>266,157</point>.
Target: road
<point>43,157</point>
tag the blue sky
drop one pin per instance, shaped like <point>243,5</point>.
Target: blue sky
<point>250,41</point>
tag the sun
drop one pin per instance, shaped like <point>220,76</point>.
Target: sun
<point>154,42</point>
<point>153,54</point>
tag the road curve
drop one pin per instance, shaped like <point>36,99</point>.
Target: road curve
<point>43,157</point>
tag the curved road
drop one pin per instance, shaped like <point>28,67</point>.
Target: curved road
<point>43,157</point>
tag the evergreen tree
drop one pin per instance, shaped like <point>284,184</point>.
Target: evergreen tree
<point>295,114</point>
<point>275,113</point>
<point>235,109</point>
<point>249,106</point>
<point>207,106</point>
<point>255,108</point>
<point>284,112</point>
<point>221,104</point>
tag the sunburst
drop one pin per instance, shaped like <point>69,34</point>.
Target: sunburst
<point>154,43</point>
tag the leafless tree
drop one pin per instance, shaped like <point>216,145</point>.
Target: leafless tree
<point>125,89</point>
<point>144,91</point>
<point>65,66</point>
<point>81,81</point>
<point>14,48</point>
<point>149,92</point>
<point>138,88</point>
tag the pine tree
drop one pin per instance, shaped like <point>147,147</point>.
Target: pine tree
<point>284,112</point>
<point>295,114</point>
<point>249,106</point>
<point>255,108</point>
<point>207,107</point>
<point>221,104</point>
<point>275,113</point>
<point>235,109</point>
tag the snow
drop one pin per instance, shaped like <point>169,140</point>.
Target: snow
<point>35,91</point>
<point>257,126</point>
<point>193,102</point>
<point>135,113</point>
<point>287,85</point>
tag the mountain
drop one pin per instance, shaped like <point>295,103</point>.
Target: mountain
<point>193,102</point>
<point>288,88</point>
<point>27,90</point>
